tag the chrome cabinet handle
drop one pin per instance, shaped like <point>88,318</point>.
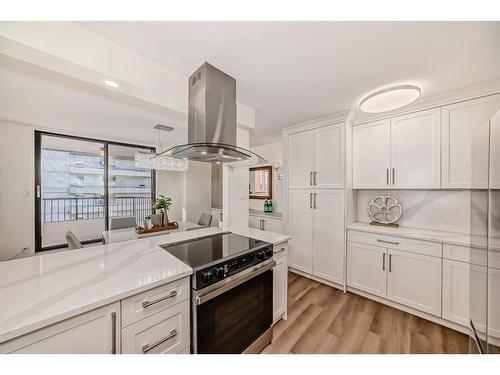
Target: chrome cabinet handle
<point>383,241</point>
<point>113,333</point>
<point>390,262</point>
<point>314,200</point>
<point>310,178</point>
<point>263,224</point>
<point>387,176</point>
<point>393,176</point>
<point>172,294</point>
<point>146,348</point>
<point>310,200</point>
<point>314,178</point>
<point>383,262</point>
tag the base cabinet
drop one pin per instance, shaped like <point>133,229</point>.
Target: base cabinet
<point>366,268</point>
<point>405,277</point>
<point>456,306</point>
<point>414,280</point>
<point>265,223</point>
<point>280,282</point>
<point>94,332</point>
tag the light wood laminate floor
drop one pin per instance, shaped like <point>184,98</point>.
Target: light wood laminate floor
<point>322,319</point>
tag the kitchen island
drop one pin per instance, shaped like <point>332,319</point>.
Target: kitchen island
<point>107,295</point>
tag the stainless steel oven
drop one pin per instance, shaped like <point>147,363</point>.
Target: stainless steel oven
<point>234,315</point>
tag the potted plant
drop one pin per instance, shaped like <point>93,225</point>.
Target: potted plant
<point>162,205</point>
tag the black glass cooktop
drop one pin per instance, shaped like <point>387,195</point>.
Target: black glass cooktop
<point>205,251</point>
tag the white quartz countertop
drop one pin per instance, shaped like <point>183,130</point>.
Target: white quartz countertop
<point>451,238</point>
<point>41,290</point>
<point>274,215</point>
<point>271,237</point>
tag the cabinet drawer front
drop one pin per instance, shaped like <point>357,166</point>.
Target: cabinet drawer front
<point>164,332</point>
<point>280,250</point>
<point>400,243</point>
<point>454,252</point>
<point>152,301</point>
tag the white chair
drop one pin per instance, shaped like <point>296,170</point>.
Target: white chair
<point>72,241</point>
<point>122,222</point>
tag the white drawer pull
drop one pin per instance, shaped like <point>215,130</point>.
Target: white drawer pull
<point>172,294</point>
<point>146,348</point>
<point>384,241</point>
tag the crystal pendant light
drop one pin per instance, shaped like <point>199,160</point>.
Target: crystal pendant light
<point>151,160</point>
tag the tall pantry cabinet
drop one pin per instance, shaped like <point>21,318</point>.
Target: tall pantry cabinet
<point>315,158</point>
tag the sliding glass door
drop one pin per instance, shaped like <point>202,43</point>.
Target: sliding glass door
<point>81,184</point>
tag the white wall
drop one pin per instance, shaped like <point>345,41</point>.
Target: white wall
<point>272,152</point>
<point>198,190</point>
<point>173,185</point>
<point>447,210</point>
<point>16,189</point>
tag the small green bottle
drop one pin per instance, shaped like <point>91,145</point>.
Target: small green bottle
<point>270,206</point>
<point>266,205</point>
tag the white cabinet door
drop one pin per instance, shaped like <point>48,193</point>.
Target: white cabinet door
<point>280,285</point>
<point>300,160</point>
<point>462,121</point>
<point>371,146</point>
<point>366,268</point>
<point>495,151</point>
<point>164,332</point>
<point>94,332</point>
<point>456,292</point>
<point>329,156</point>
<point>328,237</point>
<point>272,225</point>
<point>255,222</point>
<point>414,280</point>
<point>301,229</point>
<point>415,150</point>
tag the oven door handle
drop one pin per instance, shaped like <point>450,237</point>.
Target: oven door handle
<point>223,286</point>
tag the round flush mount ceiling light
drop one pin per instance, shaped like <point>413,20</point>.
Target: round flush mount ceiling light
<point>111,83</point>
<point>389,99</point>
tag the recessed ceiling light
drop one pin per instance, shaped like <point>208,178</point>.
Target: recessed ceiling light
<point>111,83</point>
<point>203,152</point>
<point>389,99</point>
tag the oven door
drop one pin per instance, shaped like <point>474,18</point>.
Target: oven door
<point>231,315</point>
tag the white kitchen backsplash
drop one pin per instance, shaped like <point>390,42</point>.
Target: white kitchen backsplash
<point>447,210</point>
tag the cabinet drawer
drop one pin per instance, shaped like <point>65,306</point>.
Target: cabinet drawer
<point>280,249</point>
<point>152,301</point>
<point>164,332</point>
<point>393,242</point>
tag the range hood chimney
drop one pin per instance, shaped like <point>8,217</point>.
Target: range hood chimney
<point>212,120</point>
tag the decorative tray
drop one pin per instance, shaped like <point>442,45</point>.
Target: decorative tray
<point>170,226</point>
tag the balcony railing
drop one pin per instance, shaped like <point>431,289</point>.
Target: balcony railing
<point>70,209</point>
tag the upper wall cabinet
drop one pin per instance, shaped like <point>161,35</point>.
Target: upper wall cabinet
<point>400,153</point>
<point>415,145</point>
<point>371,157</point>
<point>463,122</point>
<point>316,158</point>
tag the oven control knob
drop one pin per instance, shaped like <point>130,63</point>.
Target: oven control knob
<point>261,255</point>
<point>206,277</point>
<point>219,273</point>
<point>269,253</point>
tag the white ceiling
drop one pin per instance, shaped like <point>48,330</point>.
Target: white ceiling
<point>36,96</point>
<point>291,72</point>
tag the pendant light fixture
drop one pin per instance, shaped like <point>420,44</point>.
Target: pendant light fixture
<point>390,98</point>
<point>161,161</point>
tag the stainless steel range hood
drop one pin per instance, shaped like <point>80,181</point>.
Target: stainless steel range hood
<point>212,120</point>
